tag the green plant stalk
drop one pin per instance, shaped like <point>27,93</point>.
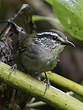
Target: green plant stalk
<point>36,104</point>
<point>53,96</point>
<point>64,82</point>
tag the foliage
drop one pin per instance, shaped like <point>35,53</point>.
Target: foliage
<point>70,14</point>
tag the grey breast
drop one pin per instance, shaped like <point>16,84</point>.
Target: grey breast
<point>39,55</point>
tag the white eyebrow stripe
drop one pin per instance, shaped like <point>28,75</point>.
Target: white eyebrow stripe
<point>53,34</point>
<point>60,38</point>
<point>48,33</point>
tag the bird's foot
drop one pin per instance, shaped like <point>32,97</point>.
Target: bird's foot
<point>47,82</point>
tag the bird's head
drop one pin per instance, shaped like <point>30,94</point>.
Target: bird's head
<point>57,36</point>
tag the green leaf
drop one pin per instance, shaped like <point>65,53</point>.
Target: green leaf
<point>70,14</point>
<point>50,1</point>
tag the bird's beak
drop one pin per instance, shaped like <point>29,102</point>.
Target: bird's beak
<point>68,43</point>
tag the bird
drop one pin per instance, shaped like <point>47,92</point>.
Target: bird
<point>40,52</point>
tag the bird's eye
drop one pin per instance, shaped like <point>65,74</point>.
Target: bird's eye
<point>54,37</point>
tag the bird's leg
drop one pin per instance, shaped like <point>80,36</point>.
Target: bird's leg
<point>47,82</point>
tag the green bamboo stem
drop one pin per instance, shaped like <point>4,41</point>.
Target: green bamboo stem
<point>53,96</point>
<point>64,82</point>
